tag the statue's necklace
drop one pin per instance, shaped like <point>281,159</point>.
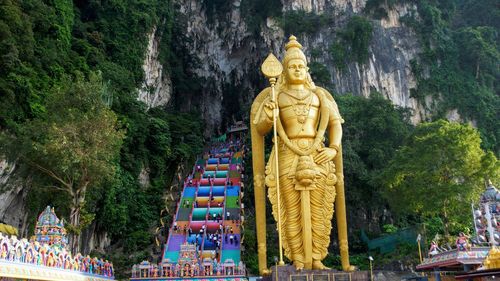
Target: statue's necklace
<point>301,106</point>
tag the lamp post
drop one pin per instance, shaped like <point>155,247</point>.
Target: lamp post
<point>419,238</point>
<point>371,268</point>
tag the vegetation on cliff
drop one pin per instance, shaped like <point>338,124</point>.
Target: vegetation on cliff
<point>459,65</point>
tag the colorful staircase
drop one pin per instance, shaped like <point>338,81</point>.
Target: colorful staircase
<point>205,236</point>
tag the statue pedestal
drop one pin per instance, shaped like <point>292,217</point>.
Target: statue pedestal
<point>288,273</point>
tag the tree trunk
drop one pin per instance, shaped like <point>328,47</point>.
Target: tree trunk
<point>76,206</point>
<point>75,221</point>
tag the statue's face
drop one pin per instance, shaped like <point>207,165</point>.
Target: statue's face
<point>296,71</point>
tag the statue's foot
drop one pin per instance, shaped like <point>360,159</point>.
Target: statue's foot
<point>298,265</point>
<point>349,268</point>
<point>319,265</point>
<point>265,272</point>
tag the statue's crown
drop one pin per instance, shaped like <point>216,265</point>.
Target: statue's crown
<point>293,51</point>
<point>293,43</point>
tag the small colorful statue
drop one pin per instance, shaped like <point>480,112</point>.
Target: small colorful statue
<point>433,250</point>
<point>462,242</point>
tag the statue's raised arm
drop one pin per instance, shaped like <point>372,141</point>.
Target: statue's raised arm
<point>309,172</point>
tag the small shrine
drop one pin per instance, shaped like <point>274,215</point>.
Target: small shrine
<point>229,267</point>
<point>167,268</point>
<point>237,126</point>
<point>208,266</point>
<point>188,261</point>
<point>50,229</point>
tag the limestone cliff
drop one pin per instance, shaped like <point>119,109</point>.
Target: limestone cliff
<point>13,192</point>
<point>320,6</point>
<point>156,88</point>
<point>229,53</point>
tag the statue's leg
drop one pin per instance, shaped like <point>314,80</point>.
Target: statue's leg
<point>292,222</point>
<point>322,199</point>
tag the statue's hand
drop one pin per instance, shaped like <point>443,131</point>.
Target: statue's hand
<point>325,154</point>
<point>268,108</point>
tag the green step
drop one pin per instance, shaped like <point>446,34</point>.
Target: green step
<point>216,211</point>
<point>209,173</point>
<point>190,202</point>
<point>199,214</point>
<point>221,174</point>
<point>231,202</point>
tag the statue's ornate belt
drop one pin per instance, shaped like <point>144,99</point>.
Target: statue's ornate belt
<point>301,143</point>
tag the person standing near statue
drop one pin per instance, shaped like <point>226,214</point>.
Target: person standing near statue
<point>305,178</point>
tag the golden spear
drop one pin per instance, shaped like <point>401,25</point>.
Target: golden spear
<point>272,69</point>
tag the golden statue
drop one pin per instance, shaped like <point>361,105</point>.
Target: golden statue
<point>310,174</point>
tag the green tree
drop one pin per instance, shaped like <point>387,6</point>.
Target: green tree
<point>374,128</point>
<point>439,172</point>
<point>478,51</point>
<point>75,144</point>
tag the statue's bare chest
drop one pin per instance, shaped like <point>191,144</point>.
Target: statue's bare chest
<point>298,104</point>
<point>299,113</point>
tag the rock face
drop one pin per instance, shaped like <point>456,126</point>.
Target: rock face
<point>228,53</point>
<point>13,192</point>
<point>225,52</point>
<point>156,90</point>
<point>388,69</point>
<point>320,6</point>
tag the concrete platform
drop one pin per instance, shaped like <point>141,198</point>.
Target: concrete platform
<point>288,273</point>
